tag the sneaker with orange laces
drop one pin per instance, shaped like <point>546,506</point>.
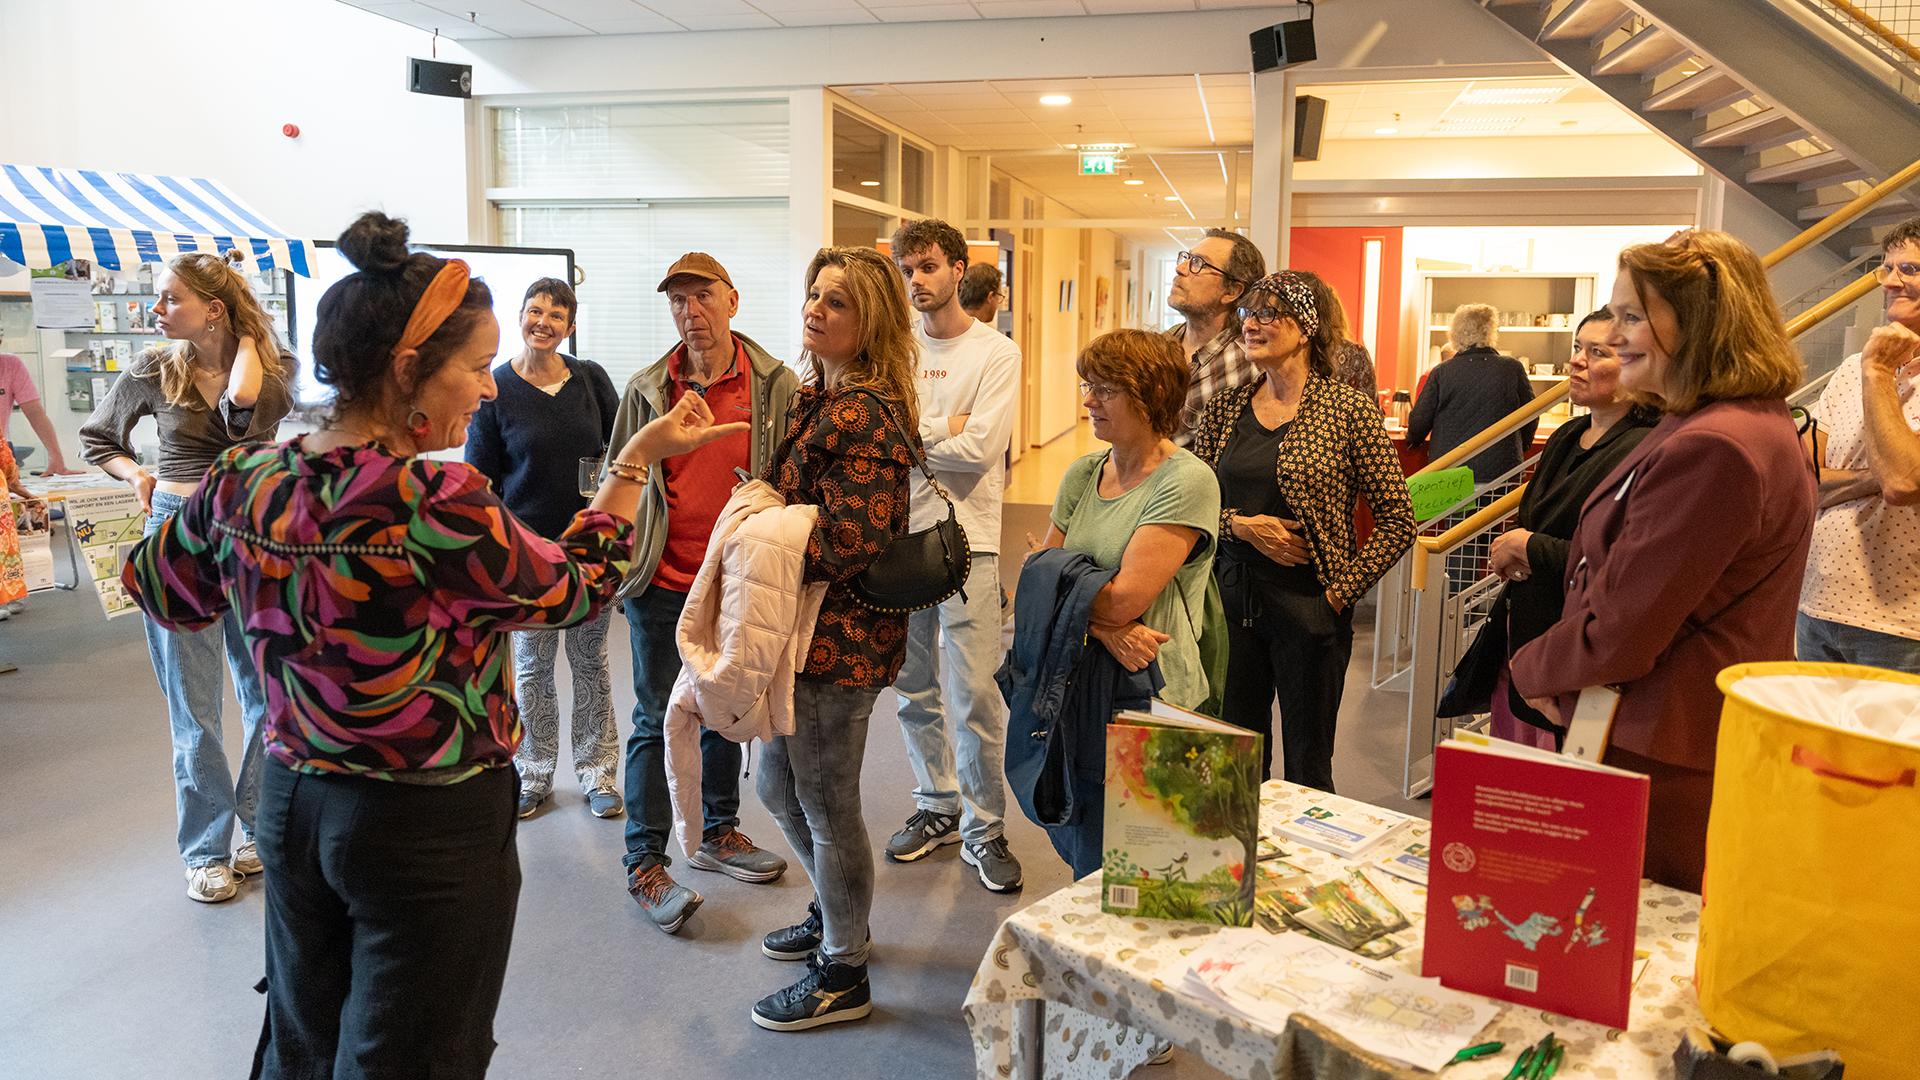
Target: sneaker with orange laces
<point>732,854</point>
<point>667,902</point>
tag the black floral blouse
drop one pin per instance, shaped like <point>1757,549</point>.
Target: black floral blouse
<point>1335,451</point>
<point>844,454</point>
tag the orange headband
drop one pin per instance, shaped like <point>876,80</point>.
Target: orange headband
<point>443,295</point>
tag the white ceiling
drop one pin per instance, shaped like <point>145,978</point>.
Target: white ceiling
<point>478,20</point>
<point>1471,107</point>
<point>1185,131</point>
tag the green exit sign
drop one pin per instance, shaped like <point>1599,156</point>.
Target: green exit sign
<point>1096,164</point>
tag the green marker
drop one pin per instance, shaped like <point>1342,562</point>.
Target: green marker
<point>1480,1051</point>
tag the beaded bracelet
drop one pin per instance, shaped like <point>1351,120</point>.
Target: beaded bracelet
<point>626,474</point>
<point>633,466</point>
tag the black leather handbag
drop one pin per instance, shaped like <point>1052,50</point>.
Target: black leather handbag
<point>918,569</point>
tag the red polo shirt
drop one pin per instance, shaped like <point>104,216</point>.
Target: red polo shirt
<point>699,483</point>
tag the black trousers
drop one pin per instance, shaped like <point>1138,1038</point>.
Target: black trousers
<point>1296,650</point>
<point>389,914</point>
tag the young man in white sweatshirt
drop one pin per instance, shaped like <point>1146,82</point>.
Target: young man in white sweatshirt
<point>969,375</point>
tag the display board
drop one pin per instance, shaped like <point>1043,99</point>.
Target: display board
<point>507,271</point>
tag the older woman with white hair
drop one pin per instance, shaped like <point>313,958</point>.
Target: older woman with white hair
<point>1467,394</point>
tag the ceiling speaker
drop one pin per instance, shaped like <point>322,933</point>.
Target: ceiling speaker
<point>1283,44</point>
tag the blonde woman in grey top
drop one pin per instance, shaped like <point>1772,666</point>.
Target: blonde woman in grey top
<point>222,381</point>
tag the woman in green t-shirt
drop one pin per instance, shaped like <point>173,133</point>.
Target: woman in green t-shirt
<point>1145,506</point>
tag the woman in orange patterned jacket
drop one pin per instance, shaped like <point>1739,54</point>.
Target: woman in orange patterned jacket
<point>849,447</point>
<point>1292,450</point>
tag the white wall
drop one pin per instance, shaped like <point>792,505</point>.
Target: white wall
<point>202,88</point>
<point>1481,158</point>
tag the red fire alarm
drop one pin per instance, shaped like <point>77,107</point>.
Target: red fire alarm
<point>291,131</point>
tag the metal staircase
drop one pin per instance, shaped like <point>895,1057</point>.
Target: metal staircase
<point>1788,105</point>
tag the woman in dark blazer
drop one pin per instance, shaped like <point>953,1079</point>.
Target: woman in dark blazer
<point>1689,555</point>
<point>1292,451</point>
<point>1532,556</point>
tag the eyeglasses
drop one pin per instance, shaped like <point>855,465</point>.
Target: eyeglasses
<point>1194,264</point>
<point>1265,316</point>
<point>1885,271</point>
<point>1098,391</point>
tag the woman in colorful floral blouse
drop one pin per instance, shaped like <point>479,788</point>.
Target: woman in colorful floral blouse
<point>847,451</point>
<point>375,587</point>
<point>1293,450</point>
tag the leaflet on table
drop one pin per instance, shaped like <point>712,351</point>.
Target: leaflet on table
<point>1534,897</point>
<point>1342,826</point>
<point>1407,864</point>
<point>1182,817</point>
<point>107,524</point>
<point>1265,979</point>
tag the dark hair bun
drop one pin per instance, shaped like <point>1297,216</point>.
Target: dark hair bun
<point>376,243</point>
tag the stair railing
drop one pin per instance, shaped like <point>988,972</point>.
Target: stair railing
<point>1424,620</point>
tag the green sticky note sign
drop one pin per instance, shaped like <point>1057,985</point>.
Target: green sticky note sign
<point>1432,493</point>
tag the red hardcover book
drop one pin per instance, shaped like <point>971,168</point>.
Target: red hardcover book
<point>1533,889</point>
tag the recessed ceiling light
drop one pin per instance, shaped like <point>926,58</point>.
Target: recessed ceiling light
<point>1386,131</point>
<point>1056,99</point>
<point>863,91</point>
<point>1479,123</point>
<point>869,183</point>
<point>1171,198</point>
<point>1133,183</point>
<point>1512,95</point>
<point>1569,123</point>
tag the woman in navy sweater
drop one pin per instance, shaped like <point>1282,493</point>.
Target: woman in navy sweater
<point>552,410</point>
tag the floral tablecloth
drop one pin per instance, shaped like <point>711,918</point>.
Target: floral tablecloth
<point>1066,991</point>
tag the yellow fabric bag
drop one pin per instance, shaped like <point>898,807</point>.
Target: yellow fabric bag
<point>1808,930</point>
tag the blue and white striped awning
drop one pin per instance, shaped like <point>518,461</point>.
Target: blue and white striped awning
<point>119,220</point>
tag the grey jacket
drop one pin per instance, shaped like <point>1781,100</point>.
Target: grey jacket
<point>771,386</point>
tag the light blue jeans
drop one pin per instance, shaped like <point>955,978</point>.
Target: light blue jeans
<point>596,740</point>
<point>187,664</point>
<point>1822,641</point>
<point>975,790</point>
<point>810,782</point>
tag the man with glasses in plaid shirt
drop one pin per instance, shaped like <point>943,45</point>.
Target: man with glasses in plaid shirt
<point>1208,280</point>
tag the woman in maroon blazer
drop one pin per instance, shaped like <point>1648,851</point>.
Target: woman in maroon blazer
<point>1689,555</point>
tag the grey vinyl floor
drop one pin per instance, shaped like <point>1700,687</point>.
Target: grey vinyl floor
<point>108,970</point>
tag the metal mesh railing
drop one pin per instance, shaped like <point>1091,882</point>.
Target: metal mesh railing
<point>1889,29</point>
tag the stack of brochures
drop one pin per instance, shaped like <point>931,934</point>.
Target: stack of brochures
<point>1342,826</point>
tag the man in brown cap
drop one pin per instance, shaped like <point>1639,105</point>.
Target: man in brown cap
<point>682,500</point>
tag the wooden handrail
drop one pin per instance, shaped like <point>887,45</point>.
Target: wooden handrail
<point>1500,429</point>
<point>1825,309</point>
<point>1454,537</point>
<point>1877,28</point>
<point>1841,217</point>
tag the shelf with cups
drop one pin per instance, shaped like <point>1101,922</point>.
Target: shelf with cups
<point>1521,298</point>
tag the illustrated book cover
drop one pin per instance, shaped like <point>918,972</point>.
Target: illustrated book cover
<point>1533,891</point>
<point>1182,817</point>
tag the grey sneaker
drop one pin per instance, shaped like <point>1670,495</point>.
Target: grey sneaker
<point>999,870</point>
<point>529,802</point>
<point>732,854</point>
<point>246,858</point>
<point>923,832</point>
<point>604,802</point>
<point>667,902</point>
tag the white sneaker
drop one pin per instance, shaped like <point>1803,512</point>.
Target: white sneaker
<point>246,859</point>
<point>212,883</point>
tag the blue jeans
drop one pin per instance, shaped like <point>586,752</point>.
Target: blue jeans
<point>810,782</point>
<point>1822,641</point>
<point>652,618</point>
<point>187,664</point>
<point>975,791</point>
